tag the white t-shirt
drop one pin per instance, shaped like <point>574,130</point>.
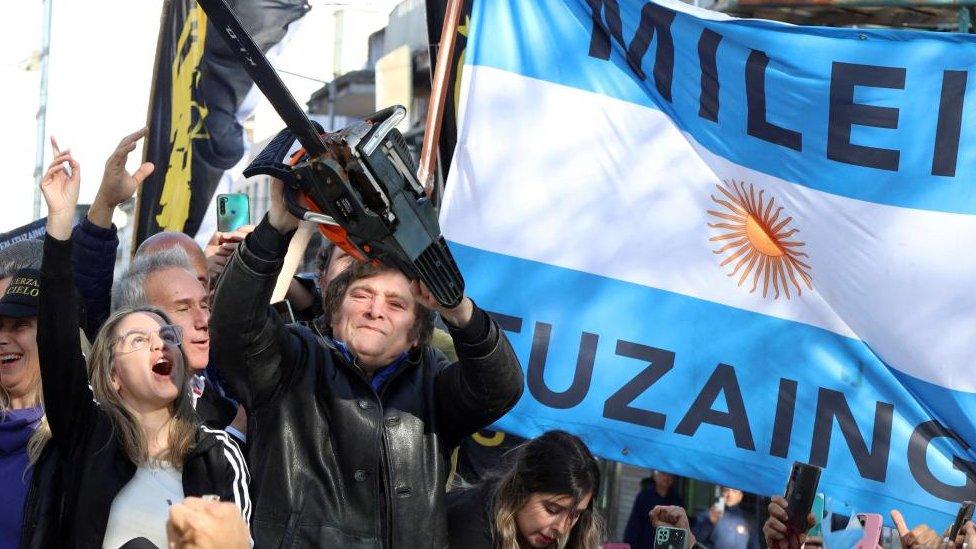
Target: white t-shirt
<point>141,508</point>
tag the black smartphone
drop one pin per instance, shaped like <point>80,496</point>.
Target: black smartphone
<point>965,513</point>
<point>233,211</point>
<point>666,537</point>
<point>801,490</point>
<point>283,308</point>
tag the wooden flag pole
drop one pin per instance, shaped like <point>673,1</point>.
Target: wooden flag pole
<point>296,250</point>
<point>438,96</point>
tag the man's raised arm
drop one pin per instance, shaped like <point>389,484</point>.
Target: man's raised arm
<point>487,379</point>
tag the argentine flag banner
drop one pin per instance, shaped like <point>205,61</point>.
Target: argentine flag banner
<point>721,245</point>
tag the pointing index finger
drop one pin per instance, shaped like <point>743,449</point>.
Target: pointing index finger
<point>899,522</point>
<point>134,136</point>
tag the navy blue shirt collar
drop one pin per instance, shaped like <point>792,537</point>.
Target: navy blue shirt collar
<point>379,376</point>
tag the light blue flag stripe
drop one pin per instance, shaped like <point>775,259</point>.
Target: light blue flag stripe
<point>706,338</point>
<point>550,39</point>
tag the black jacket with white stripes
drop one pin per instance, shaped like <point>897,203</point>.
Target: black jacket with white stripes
<point>92,464</point>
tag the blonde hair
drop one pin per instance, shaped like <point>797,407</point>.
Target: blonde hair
<point>42,433</point>
<point>101,368</point>
<point>556,463</point>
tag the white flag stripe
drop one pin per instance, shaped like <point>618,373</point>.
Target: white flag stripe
<point>585,178</point>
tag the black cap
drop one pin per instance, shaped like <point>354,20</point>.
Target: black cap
<point>21,298</point>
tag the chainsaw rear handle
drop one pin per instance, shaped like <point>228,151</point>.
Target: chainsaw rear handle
<point>320,190</point>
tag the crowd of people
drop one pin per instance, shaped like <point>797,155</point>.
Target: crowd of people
<point>172,407</point>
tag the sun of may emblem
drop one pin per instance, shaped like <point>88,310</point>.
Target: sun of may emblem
<point>754,236</point>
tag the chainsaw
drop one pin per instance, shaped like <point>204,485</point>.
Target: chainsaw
<point>359,184</point>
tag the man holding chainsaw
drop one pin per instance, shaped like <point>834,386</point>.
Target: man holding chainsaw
<point>351,433</point>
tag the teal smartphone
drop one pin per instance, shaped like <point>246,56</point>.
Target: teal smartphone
<point>818,515</point>
<point>233,211</point>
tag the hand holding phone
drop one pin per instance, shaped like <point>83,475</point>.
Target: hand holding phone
<point>233,211</point>
<point>667,537</point>
<point>964,515</point>
<point>716,511</point>
<point>871,523</point>
<point>801,489</point>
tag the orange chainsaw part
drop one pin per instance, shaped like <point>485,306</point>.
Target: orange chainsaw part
<point>335,233</point>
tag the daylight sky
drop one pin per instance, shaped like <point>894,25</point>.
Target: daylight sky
<point>101,61</point>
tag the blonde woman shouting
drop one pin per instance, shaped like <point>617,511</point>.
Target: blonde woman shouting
<point>130,443</point>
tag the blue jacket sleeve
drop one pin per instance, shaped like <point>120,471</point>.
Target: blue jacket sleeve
<point>636,533</point>
<point>703,528</point>
<point>93,264</point>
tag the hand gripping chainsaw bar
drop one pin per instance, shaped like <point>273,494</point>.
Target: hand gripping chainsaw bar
<point>358,184</point>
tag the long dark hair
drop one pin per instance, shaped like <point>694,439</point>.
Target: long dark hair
<point>554,463</point>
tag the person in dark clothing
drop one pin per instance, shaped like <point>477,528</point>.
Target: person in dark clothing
<point>661,491</point>
<point>29,492</point>
<point>725,525</point>
<point>543,499</point>
<point>94,246</point>
<point>126,431</point>
<point>350,432</point>
<point>23,427</point>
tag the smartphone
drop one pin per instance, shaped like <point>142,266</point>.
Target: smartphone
<point>818,515</point>
<point>233,211</point>
<point>283,308</point>
<point>666,537</point>
<point>871,523</point>
<point>801,489</point>
<point>965,513</point>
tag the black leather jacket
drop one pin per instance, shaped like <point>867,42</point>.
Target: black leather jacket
<point>469,521</point>
<point>334,464</point>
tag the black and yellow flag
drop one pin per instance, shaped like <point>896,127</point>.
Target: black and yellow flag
<point>194,129</point>
<point>484,453</point>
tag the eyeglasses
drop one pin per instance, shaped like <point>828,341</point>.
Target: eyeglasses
<point>137,340</point>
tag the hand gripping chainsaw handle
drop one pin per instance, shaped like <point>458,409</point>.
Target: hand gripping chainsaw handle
<point>364,195</point>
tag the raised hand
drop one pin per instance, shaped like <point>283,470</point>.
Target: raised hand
<point>220,248</point>
<point>458,316</point>
<point>967,536</point>
<point>118,185</point>
<point>777,534</point>
<point>920,536</point>
<point>200,524</point>
<point>669,515</point>
<point>673,516</point>
<point>278,215</point>
<point>60,192</point>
